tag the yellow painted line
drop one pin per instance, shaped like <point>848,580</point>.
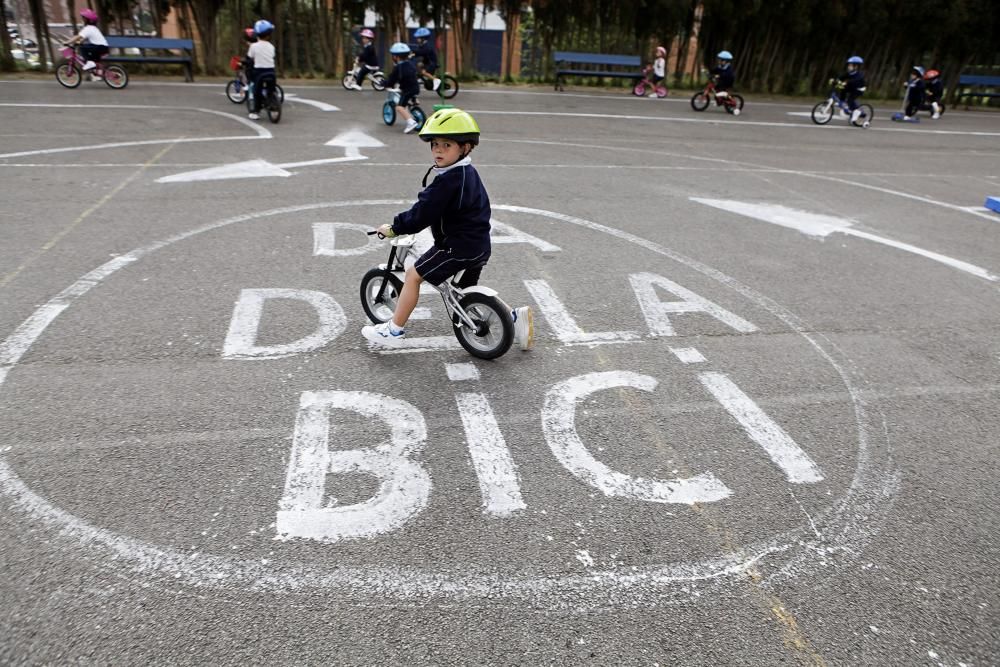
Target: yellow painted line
<point>51,243</point>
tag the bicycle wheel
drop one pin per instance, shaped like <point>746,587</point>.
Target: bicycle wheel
<point>348,81</point>
<point>389,113</point>
<point>866,117</point>
<point>115,76</point>
<point>734,105</point>
<point>639,89</point>
<point>699,102</point>
<point>822,113</point>
<point>378,81</point>
<point>273,107</point>
<point>236,91</point>
<point>68,74</point>
<point>494,326</point>
<point>448,88</point>
<point>281,93</point>
<point>379,309</point>
<point>419,116</point>
<point>661,91</point>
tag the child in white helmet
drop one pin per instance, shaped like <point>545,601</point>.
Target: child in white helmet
<point>722,75</point>
<point>404,76</point>
<point>659,68</point>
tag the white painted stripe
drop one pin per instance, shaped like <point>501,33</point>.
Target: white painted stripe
<point>559,425</point>
<point>495,469</point>
<point>657,313</point>
<point>328,160</point>
<point>241,340</point>
<point>322,106</point>
<point>325,239</point>
<point>815,224</point>
<point>249,169</point>
<point>425,344</point>
<point>462,372</point>
<point>14,347</point>
<point>785,452</point>
<point>688,355</point>
<point>563,324</point>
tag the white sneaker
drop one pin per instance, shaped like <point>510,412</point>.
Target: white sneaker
<point>437,83</point>
<point>89,65</point>
<point>254,116</point>
<point>382,334</point>
<point>936,115</point>
<point>355,86</point>
<point>653,94</point>
<point>855,115</point>
<point>411,125</point>
<point>524,327</point>
<point>907,117</point>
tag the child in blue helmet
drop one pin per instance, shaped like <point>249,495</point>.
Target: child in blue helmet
<point>723,76</point>
<point>404,76</point>
<point>426,56</point>
<point>261,54</point>
<point>852,83</point>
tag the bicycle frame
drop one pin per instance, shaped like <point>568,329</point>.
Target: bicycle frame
<point>70,53</point>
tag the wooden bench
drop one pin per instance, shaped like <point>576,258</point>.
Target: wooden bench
<point>167,51</point>
<point>572,63</point>
<point>977,85</point>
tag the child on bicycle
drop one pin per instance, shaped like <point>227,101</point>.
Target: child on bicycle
<point>914,92</point>
<point>852,83</point>
<point>457,209</point>
<point>367,60</point>
<point>722,76</point>
<point>659,68</point>
<point>94,44</point>
<point>426,56</point>
<point>934,92</point>
<point>404,76</point>
<point>261,57</point>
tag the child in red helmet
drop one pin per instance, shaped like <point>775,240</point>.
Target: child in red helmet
<point>934,92</point>
<point>94,44</point>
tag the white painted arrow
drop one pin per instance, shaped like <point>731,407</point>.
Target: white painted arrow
<point>351,141</point>
<point>322,106</point>
<point>815,224</point>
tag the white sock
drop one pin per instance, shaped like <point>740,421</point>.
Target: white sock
<point>394,329</point>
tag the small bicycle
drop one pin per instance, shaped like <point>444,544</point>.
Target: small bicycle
<point>449,85</point>
<point>69,72</point>
<point>823,112</point>
<point>272,103</point>
<point>389,109</point>
<point>236,90</point>
<point>481,321</point>
<point>646,83</point>
<point>374,76</point>
<point>732,103</point>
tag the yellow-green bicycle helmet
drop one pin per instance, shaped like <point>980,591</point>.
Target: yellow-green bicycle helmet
<point>452,123</point>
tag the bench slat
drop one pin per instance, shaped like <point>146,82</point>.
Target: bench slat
<point>597,58</point>
<point>130,42</point>
<point>587,72</point>
<point>978,80</point>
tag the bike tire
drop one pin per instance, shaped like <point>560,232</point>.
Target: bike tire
<point>496,326</point>
<point>419,116</point>
<point>378,81</point>
<point>639,90</point>
<point>388,113</point>
<point>68,74</point>
<point>739,101</point>
<point>448,88</point>
<point>236,91</point>
<point>274,107</point>
<point>699,101</point>
<point>348,81</point>
<point>281,93</point>
<point>115,76</point>
<point>371,283</point>
<point>661,91</point>
<point>867,116</point>
<point>822,113</point>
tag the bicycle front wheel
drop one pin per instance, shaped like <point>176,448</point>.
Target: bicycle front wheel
<point>388,113</point>
<point>380,308</point>
<point>236,91</point>
<point>448,88</point>
<point>699,102</point>
<point>494,331</point>
<point>348,81</point>
<point>115,76</point>
<point>822,113</point>
<point>68,74</point>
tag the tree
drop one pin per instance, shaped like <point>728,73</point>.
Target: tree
<point>7,63</point>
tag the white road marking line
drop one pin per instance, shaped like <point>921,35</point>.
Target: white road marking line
<point>462,372</point>
<point>495,468</point>
<point>322,106</point>
<point>249,169</point>
<point>562,323</point>
<point>815,224</point>
<point>785,452</point>
<point>688,355</point>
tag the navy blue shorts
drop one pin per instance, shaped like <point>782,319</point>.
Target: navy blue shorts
<point>437,265</point>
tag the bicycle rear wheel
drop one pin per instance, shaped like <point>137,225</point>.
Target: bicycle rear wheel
<point>735,104</point>
<point>419,116</point>
<point>115,76</point>
<point>822,113</point>
<point>661,91</point>
<point>273,106</point>
<point>494,326</point>
<point>378,81</point>
<point>68,74</point>
<point>236,91</point>
<point>380,309</point>
<point>448,88</point>
<point>866,117</point>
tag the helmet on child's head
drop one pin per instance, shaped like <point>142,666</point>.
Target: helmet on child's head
<point>399,49</point>
<point>88,14</point>
<point>368,33</point>
<point>422,33</point>
<point>932,74</point>
<point>855,60</point>
<point>660,51</point>
<point>263,27</point>
<point>724,55</point>
<point>919,70</point>
<point>453,124</point>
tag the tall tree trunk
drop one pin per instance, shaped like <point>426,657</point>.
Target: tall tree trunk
<point>38,19</point>
<point>7,63</point>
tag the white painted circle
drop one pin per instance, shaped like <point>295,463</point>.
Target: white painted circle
<point>843,523</point>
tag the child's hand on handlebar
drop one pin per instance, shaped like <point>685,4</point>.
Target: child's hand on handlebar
<point>384,232</point>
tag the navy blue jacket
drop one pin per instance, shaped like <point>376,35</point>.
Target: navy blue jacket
<point>368,56</point>
<point>854,82</point>
<point>456,208</point>
<point>724,77</point>
<point>426,53</point>
<point>404,74</point>
<point>935,89</point>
